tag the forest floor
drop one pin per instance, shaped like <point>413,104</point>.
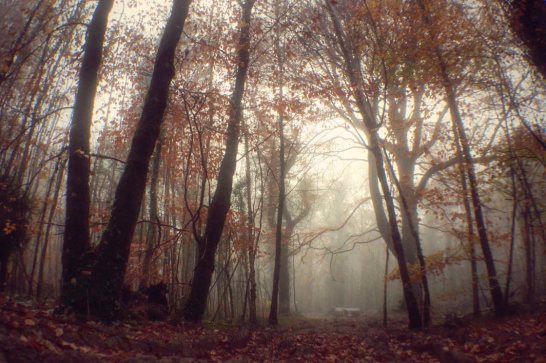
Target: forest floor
<point>31,334</point>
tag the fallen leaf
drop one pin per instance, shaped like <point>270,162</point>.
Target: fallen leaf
<point>64,343</point>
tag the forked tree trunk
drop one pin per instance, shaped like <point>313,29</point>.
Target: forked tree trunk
<point>221,201</point>
<point>113,251</point>
<point>410,230</point>
<point>76,232</point>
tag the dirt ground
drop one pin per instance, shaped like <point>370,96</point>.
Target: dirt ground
<point>30,334</point>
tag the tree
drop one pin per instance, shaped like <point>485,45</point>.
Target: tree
<point>108,267</point>
<point>273,320</point>
<point>460,133</point>
<point>371,126</point>
<point>76,232</point>
<point>219,207</point>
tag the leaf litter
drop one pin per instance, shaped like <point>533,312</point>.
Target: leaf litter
<point>30,334</point>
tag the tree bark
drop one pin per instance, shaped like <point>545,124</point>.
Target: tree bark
<point>113,251</point>
<point>219,207</point>
<point>76,233</point>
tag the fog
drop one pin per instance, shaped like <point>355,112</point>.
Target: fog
<point>407,150</point>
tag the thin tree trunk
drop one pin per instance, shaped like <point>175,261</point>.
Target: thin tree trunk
<point>284,277</point>
<point>470,237</point>
<point>294,282</point>
<point>76,233</point>
<point>281,252</point>
<point>529,256</point>
<point>219,207</point>
<point>273,319</point>
<point>512,232</point>
<point>470,233</point>
<point>250,230</point>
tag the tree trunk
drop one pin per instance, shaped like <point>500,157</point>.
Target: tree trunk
<point>251,236</point>
<point>113,251</point>
<point>470,238</point>
<point>410,229</point>
<point>219,207</point>
<point>284,277</point>
<point>76,233</point>
<point>528,241</point>
<point>377,203</point>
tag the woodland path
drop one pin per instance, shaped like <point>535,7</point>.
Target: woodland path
<point>29,334</point>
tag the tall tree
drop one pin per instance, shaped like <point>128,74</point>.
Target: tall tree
<point>221,201</point>
<point>76,232</point>
<point>273,312</point>
<point>113,251</point>
<point>371,126</point>
<point>467,159</point>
